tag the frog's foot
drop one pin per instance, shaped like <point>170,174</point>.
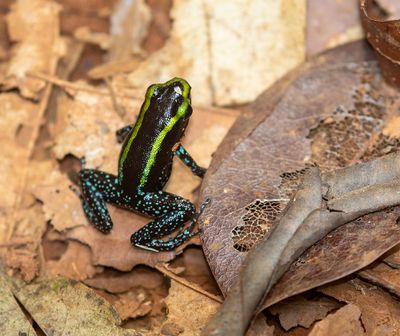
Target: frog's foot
<point>148,236</point>
<point>97,189</point>
<point>122,133</point>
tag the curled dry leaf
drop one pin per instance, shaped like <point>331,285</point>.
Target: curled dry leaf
<point>34,26</point>
<point>344,322</point>
<point>379,312</point>
<point>12,319</point>
<point>331,112</point>
<point>209,45</point>
<point>60,304</point>
<point>384,36</point>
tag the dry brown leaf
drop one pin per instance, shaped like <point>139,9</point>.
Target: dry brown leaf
<point>12,319</point>
<point>209,45</point>
<point>384,276</point>
<point>346,28</point>
<point>380,314</point>
<point>344,322</point>
<point>118,282</point>
<point>75,263</point>
<point>34,26</point>
<point>61,306</point>
<point>188,309</point>
<point>300,311</point>
<point>133,304</point>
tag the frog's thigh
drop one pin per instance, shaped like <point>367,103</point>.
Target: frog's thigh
<point>171,212</point>
<point>98,188</point>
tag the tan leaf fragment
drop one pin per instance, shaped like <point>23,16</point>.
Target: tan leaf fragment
<point>344,322</point>
<point>12,319</point>
<point>185,54</point>
<point>34,25</point>
<point>252,44</point>
<point>211,41</point>
<point>380,313</point>
<point>188,309</point>
<point>119,282</point>
<point>61,306</point>
<point>61,205</point>
<point>299,311</point>
<point>75,263</point>
<point>133,304</point>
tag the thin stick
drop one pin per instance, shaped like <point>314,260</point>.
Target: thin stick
<point>164,270</point>
<point>66,84</point>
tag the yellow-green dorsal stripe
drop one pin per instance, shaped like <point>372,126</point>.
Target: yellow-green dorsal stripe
<point>138,124</point>
<point>159,140</point>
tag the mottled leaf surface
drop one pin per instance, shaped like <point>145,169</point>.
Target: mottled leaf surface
<point>334,111</point>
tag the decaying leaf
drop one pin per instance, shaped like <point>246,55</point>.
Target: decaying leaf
<point>12,319</point>
<point>59,305</point>
<point>210,44</point>
<point>332,113</point>
<point>34,25</point>
<point>379,312</point>
<point>344,322</point>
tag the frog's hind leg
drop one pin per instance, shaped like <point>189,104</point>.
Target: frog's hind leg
<point>98,188</point>
<point>171,212</point>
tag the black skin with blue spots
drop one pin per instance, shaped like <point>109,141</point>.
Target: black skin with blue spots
<point>170,212</point>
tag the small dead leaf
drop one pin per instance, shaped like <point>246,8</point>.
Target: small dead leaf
<point>300,311</point>
<point>133,304</point>
<point>188,309</point>
<point>75,263</point>
<point>34,25</point>
<point>344,322</point>
<point>380,314</point>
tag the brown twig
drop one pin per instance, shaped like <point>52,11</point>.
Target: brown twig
<point>164,270</point>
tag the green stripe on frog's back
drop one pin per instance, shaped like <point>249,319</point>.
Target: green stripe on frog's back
<point>160,138</point>
<point>138,124</point>
<point>143,110</point>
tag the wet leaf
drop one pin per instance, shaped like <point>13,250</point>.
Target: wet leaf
<point>333,113</point>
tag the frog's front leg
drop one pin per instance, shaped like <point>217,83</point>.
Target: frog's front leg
<point>189,161</point>
<point>122,133</point>
<point>99,188</point>
<point>171,212</point>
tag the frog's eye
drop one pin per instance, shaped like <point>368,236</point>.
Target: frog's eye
<point>178,90</point>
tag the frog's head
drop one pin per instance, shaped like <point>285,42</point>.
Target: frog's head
<point>169,103</point>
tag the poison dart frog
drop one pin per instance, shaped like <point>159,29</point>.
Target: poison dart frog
<point>144,168</point>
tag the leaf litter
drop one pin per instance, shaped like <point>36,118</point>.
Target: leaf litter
<point>82,123</point>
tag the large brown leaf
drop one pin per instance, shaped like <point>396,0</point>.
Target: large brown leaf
<point>334,111</point>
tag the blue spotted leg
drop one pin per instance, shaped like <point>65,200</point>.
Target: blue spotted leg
<point>171,212</point>
<point>189,161</point>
